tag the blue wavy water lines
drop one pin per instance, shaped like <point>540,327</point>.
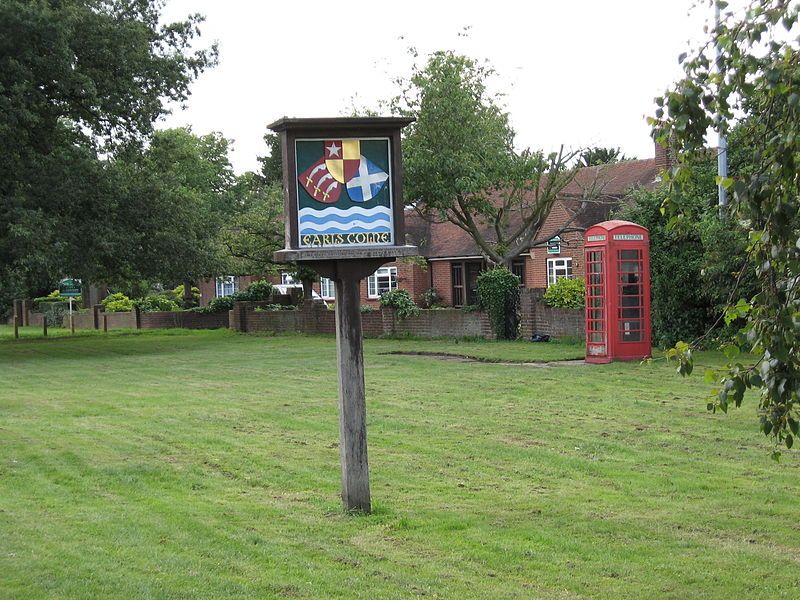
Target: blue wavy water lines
<point>307,219</point>
<point>334,231</point>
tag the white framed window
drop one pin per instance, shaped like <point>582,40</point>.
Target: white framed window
<point>381,281</point>
<point>227,286</point>
<point>558,268</point>
<point>287,279</point>
<point>326,288</point>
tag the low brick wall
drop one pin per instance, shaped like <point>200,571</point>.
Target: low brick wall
<point>184,320</point>
<point>538,318</point>
<point>439,323</point>
<point>318,319</point>
<point>116,320</point>
<point>35,319</point>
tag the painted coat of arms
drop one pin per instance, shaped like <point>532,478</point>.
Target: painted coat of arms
<point>344,192</point>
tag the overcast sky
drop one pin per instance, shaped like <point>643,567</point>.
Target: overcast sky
<point>578,73</point>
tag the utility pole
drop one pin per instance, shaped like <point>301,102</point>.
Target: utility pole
<point>722,150</point>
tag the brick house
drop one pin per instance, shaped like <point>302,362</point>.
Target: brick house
<point>453,260</point>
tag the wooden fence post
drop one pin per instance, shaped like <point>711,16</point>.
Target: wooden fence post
<point>16,327</point>
<point>137,317</point>
<point>105,323</point>
<point>72,323</point>
<point>44,325</point>
<point>18,309</point>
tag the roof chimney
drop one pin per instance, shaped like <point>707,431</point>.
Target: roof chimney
<point>665,157</point>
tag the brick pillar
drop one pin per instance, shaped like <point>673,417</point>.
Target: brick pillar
<point>241,307</point>
<point>526,310</point>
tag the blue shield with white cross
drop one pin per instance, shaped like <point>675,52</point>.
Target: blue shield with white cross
<point>368,182</point>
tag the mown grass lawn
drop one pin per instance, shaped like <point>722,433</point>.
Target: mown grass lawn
<point>182,464</point>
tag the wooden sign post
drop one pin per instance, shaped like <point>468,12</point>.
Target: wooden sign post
<point>344,218</point>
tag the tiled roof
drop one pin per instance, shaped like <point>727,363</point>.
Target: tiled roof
<point>440,240</point>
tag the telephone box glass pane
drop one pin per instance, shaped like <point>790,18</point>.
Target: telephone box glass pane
<point>595,310</point>
<point>631,295</point>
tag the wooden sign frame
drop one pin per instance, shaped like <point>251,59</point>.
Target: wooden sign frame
<point>294,131</point>
<point>336,257</point>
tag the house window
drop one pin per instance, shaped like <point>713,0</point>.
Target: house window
<point>558,268</point>
<point>287,279</point>
<point>326,288</point>
<point>457,274</point>
<point>227,286</point>
<point>465,281</point>
<point>518,269</point>
<point>381,281</point>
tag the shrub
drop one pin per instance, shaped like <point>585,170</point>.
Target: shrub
<point>177,295</point>
<point>54,311</point>
<point>366,308</point>
<point>156,302</point>
<point>255,292</point>
<point>498,293</point>
<point>258,291</point>
<point>566,293</point>
<point>430,298</point>
<point>54,296</point>
<point>401,301</point>
<point>118,302</point>
<point>221,304</point>
<point>274,308</point>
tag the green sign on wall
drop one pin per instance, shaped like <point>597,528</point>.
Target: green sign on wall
<point>70,287</point>
<point>344,192</point>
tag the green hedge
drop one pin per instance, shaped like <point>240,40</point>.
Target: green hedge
<point>498,293</point>
<point>258,291</point>
<point>566,293</point>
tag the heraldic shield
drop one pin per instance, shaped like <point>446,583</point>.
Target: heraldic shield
<point>351,178</point>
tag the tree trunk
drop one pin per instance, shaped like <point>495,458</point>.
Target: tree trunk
<point>188,300</point>
<point>308,289</point>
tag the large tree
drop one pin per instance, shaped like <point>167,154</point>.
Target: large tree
<point>591,157</point>
<point>461,165</point>
<point>77,78</point>
<point>272,163</point>
<point>182,191</point>
<point>257,230</point>
<point>756,76</point>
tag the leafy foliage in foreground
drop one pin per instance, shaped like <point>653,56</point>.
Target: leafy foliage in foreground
<point>757,75</point>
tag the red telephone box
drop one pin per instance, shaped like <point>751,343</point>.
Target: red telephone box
<point>618,323</point>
